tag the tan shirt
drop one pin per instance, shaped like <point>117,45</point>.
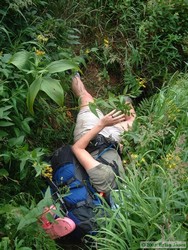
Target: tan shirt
<point>110,156</point>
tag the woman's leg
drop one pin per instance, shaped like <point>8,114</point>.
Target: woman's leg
<point>80,91</point>
<point>85,118</point>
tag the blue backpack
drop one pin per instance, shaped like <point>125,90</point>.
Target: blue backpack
<point>80,200</point>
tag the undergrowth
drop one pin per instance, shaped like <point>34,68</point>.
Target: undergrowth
<point>139,49</point>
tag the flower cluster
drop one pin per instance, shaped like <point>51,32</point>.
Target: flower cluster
<point>87,51</point>
<point>106,43</point>
<point>142,82</point>
<point>172,160</point>
<point>47,171</point>
<point>139,161</point>
<point>39,52</point>
<point>42,38</point>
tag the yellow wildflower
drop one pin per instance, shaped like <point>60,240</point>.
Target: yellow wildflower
<point>172,160</point>
<point>39,52</point>
<point>106,43</point>
<point>134,156</point>
<point>42,38</point>
<point>47,171</point>
<point>35,164</point>
<point>142,82</point>
<point>124,163</point>
<point>87,51</point>
<point>143,160</point>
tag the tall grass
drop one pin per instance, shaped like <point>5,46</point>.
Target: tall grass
<point>150,208</point>
<point>152,197</point>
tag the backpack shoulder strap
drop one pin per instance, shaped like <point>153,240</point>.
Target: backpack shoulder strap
<point>113,164</point>
<point>103,144</point>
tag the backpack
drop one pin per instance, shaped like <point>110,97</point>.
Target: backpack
<point>80,201</point>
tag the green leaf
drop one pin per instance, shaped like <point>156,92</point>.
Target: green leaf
<point>6,32</point>
<point>38,170</point>
<point>93,108</point>
<point>22,165</point>
<point>46,201</point>
<point>60,66</point>
<point>5,72</point>
<point>16,141</point>
<point>3,133</point>
<point>4,114</point>
<point>6,58</point>
<point>21,60</point>
<point>53,89</point>
<point>32,93</point>
<point>6,209</point>
<point>6,124</point>
<point>25,248</point>
<point>27,220</point>
<point>6,108</point>
<point>107,105</point>
<point>26,126</point>
<point>33,214</point>
<point>4,172</point>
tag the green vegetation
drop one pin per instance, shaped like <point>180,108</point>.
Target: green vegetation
<point>136,48</point>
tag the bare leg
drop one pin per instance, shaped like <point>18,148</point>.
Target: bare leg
<point>80,91</point>
<point>86,120</point>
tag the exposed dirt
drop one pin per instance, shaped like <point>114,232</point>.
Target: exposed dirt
<point>92,79</point>
<point>97,85</point>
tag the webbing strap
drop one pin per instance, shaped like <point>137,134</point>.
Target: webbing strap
<point>57,194</point>
<point>76,205</point>
<point>68,182</point>
<point>103,151</point>
<point>113,165</point>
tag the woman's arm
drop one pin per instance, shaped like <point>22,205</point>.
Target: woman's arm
<point>79,148</point>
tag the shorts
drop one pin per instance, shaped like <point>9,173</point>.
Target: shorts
<point>102,177</point>
<point>86,120</point>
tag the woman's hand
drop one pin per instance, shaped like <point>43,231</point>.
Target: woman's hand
<point>79,147</point>
<point>112,118</point>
